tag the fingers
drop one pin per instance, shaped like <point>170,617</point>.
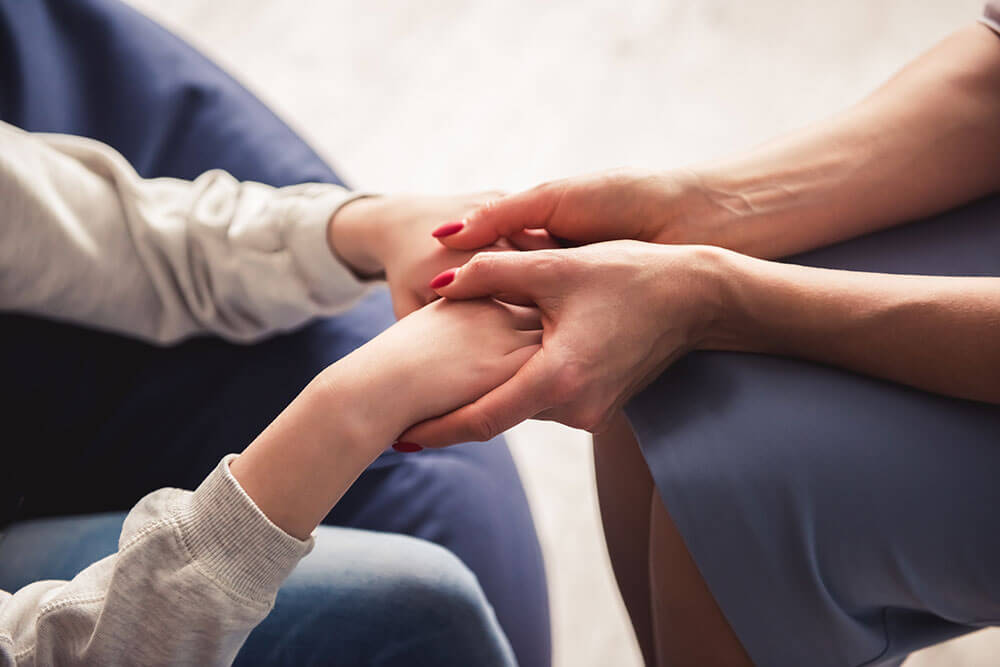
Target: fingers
<point>500,218</point>
<point>525,339</point>
<point>519,275</point>
<point>511,403</point>
<point>524,318</point>
<point>533,239</point>
<point>404,302</point>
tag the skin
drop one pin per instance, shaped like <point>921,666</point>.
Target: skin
<point>695,275</point>
<point>301,465</point>
<point>390,236</point>
<point>864,169</point>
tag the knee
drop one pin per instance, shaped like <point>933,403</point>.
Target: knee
<point>429,604</point>
<point>390,599</point>
<point>423,584</point>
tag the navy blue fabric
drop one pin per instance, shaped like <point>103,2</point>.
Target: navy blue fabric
<point>358,598</point>
<point>838,519</point>
<point>102,419</point>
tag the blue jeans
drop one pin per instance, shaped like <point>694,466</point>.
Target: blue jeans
<point>360,598</point>
<point>112,418</point>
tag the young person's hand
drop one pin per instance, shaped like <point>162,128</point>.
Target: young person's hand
<point>438,358</point>
<point>435,360</point>
<point>392,235</point>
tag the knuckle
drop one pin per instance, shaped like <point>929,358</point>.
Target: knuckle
<point>480,263</point>
<point>488,208</point>
<point>569,382</point>
<point>590,418</point>
<point>482,426</point>
<point>555,264</point>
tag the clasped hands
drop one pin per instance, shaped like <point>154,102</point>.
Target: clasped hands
<point>560,302</point>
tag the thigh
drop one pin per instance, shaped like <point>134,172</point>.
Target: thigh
<point>55,548</point>
<point>624,488</point>
<point>358,598</point>
<point>364,598</point>
<point>837,519</point>
<point>470,499</point>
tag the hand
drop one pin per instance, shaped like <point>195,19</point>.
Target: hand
<point>392,234</point>
<point>438,358</point>
<point>614,316</point>
<point>623,204</point>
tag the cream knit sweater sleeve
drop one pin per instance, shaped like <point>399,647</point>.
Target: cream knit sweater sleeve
<point>195,572</point>
<point>83,238</point>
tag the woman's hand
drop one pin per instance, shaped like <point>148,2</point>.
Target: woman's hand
<point>622,204</point>
<point>392,234</point>
<point>865,169</point>
<point>614,315</point>
<point>436,359</point>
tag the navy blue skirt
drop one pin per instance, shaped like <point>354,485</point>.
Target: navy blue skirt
<point>837,519</point>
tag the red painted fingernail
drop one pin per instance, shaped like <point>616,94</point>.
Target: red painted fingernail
<point>407,447</point>
<point>443,278</point>
<point>448,228</point>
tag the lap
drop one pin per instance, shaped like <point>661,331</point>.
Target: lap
<point>129,417</point>
<point>358,598</point>
<point>837,519</point>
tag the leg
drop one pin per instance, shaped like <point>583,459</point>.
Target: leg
<point>132,417</point>
<point>363,598</point>
<point>461,497</point>
<point>624,487</point>
<point>358,598</point>
<point>689,626</point>
<point>836,519</point>
<point>673,613</point>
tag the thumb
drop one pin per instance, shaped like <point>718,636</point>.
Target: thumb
<point>516,277</point>
<point>500,218</point>
<point>516,400</point>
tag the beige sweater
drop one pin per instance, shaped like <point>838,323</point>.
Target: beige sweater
<point>84,239</point>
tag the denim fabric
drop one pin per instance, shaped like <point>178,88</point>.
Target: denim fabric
<point>360,598</point>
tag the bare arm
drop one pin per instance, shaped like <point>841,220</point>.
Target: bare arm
<point>924,142</point>
<point>941,334</point>
<point>617,313</point>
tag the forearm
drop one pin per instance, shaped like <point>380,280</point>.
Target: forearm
<point>301,465</point>
<point>940,334</point>
<point>924,142</point>
<point>84,238</point>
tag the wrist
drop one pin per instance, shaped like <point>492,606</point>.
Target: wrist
<point>297,469</point>
<point>354,234</point>
<point>362,391</point>
<point>692,214</point>
<point>734,284</point>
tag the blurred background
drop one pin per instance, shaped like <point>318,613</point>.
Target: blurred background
<point>447,96</point>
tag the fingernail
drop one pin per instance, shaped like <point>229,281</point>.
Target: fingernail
<point>407,447</point>
<point>448,228</point>
<point>443,278</point>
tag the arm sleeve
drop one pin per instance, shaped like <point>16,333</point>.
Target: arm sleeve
<point>991,16</point>
<point>193,575</point>
<point>83,238</point>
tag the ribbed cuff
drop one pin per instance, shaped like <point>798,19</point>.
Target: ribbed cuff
<point>330,280</point>
<point>231,538</point>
